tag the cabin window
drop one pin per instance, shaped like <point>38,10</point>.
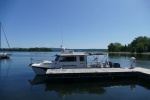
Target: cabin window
<point>57,57</point>
<point>68,59</point>
<point>81,58</point>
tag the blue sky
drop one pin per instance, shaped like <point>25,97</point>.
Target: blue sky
<point>82,23</point>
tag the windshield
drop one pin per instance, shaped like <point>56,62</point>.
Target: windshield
<point>57,57</point>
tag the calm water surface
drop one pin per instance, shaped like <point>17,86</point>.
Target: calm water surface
<point>18,81</point>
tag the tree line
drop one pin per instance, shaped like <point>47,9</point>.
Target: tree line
<point>140,44</point>
<point>36,49</point>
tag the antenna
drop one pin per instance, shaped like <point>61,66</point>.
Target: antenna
<point>62,48</point>
<point>62,37</point>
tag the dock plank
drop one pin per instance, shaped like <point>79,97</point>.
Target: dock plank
<point>96,70</point>
<point>142,70</point>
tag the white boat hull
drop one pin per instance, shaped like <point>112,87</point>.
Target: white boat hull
<point>39,70</point>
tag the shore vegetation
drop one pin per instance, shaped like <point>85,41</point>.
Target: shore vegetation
<point>140,44</point>
<point>36,49</point>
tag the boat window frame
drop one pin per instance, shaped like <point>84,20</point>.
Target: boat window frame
<point>82,58</point>
<point>57,58</point>
<point>68,59</point>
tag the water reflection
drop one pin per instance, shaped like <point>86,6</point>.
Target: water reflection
<point>68,88</point>
<point>5,64</point>
<point>64,88</point>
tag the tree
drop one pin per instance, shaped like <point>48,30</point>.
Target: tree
<point>114,47</point>
<point>140,48</point>
<point>140,44</point>
<point>111,47</point>
<point>133,50</point>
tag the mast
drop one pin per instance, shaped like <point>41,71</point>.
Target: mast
<point>5,36</point>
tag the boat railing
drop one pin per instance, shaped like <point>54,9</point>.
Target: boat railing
<point>99,65</point>
<point>33,60</point>
<point>40,61</point>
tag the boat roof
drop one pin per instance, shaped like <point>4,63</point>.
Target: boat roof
<point>72,53</point>
<point>96,53</point>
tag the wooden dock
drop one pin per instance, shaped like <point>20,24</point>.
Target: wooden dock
<point>99,73</point>
<point>97,70</point>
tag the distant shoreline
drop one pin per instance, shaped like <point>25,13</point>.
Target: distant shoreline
<point>145,53</point>
<point>44,49</point>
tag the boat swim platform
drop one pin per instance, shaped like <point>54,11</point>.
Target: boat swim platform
<point>137,72</point>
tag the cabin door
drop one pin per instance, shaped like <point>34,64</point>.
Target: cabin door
<point>82,61</point>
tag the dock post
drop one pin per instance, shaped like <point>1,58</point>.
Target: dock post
<point>132,59</point>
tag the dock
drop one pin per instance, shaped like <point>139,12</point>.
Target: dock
<point>109,73</point>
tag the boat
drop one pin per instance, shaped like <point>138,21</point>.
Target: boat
<point>68,59</point>
<point>3,54</point>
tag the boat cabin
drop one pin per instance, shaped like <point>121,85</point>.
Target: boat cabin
<point>71,60</point>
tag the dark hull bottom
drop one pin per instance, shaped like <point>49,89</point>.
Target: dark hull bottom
<point>7,56</point>
<point>4,57</point>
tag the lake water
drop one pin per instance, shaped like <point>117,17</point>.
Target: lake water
<point>18,81</point>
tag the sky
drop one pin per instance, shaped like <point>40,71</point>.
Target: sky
<point>75,24</point>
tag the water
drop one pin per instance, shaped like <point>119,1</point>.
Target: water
<point>18,81</point>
